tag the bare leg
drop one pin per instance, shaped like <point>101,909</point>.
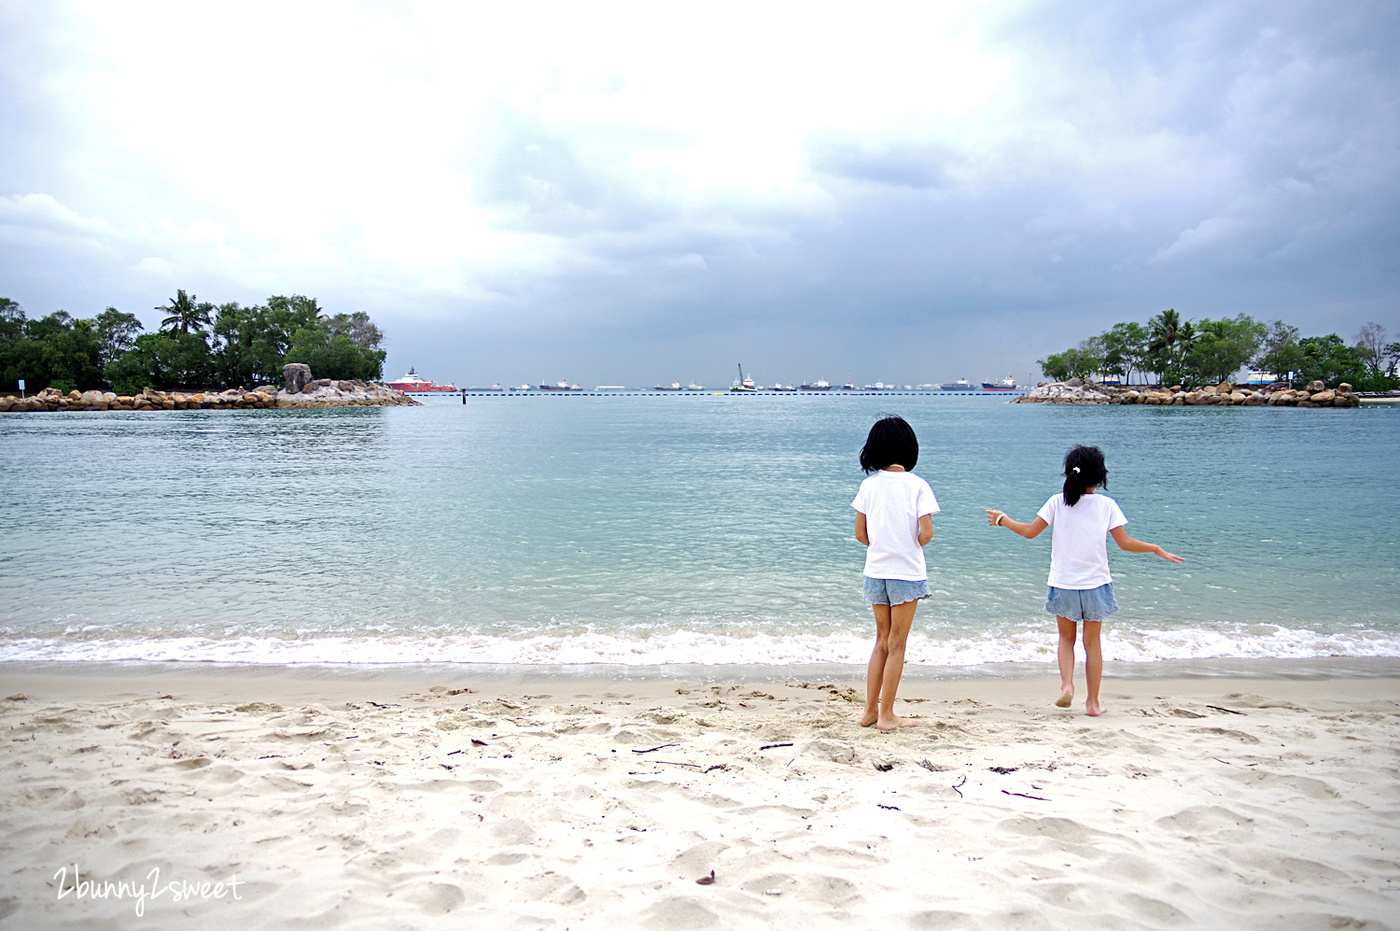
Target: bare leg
<point>1093,665</point>
<point>875,674</point>
<point>901,619</point>
<point>1065,655</point>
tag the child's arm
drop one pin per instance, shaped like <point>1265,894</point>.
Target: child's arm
<point>1029,531</point>
<point>1125,542</point>
<point>925,529</point>
<point>861,534</point>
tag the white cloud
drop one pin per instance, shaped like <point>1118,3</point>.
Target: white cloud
<point>614,165</point>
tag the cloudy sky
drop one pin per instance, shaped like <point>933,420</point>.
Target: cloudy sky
<point>632,193</point>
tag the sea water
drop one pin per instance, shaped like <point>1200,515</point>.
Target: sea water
<point>642,531</point>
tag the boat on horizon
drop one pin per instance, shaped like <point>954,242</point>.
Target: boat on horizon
<point>561,386</point>
<point>414,384</point>
<point>743,383</point>
<point>962,384</point>
<point>1006,384</point>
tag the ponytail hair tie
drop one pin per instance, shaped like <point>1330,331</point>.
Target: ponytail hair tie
<point>1076,469</point>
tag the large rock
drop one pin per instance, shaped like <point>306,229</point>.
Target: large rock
<point>1064,393</point>
<point>296,376</point>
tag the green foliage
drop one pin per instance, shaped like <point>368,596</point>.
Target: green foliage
<point>1366,365</point>
<point>52,351</point>
<point>1279,351</point>
<point>335,355</point>
<point>1078,362</point>
<point>1212,351</point>
<point>117,332</point>
<point>1221,348</point>
<point>239,346</point>
<point>185,316</point>
<point>163,360</point>
<point>1171,338</point>
<point>1126,350</point>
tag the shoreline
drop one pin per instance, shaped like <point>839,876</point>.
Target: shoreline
<point>87,678</point>
<point>438,797</point>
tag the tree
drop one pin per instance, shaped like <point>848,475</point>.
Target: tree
<point>358,328</point>
<point>1125,349</point>
<point>1330,360</point>
<point>1222,347</point>
<point>185,315</point>
<point>1171,340</point>
<point>117,332</point>
<point>1371,341</point>
<point>163,360</point>
<point>1279,351</point>
<point>335,355</point>
<point>249,346</point>
<point>1080,361</point>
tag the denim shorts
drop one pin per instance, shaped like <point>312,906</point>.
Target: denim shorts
<point>1091,604</point>
<point>895,591</point>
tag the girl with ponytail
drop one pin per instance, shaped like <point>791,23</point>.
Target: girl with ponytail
<point>1081,588</point>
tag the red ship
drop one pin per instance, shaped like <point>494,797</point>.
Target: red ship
<point>412,384</point>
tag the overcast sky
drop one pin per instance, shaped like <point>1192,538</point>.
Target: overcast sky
<point>637,193</point>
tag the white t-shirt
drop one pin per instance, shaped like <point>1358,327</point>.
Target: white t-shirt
<point>1078,543</point>
<point>892,503</point>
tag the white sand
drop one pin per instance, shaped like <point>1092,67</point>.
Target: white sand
<point>588,803</point>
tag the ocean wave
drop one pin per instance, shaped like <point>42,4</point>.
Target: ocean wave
<point>700,648</point>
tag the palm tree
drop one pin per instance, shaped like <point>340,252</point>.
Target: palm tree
<point>1171,338</point>
<point>185,314</point>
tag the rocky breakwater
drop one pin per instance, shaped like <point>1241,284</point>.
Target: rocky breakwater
<point>324,392</point>
<point>300,390</point>
<point>51,399</point>
<point>1279,394</point>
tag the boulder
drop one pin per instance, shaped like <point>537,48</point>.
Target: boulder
<point>1344,388</point>
<point>1315,386</point>
<point>295,376</point>
<point>1323,397</point>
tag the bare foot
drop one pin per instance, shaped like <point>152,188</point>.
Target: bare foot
<point>894,723</point>
<point>1066,698</point>
<point>1094,709</point>
<point>869,718</point>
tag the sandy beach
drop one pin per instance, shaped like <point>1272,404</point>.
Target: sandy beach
<point>171,796</point>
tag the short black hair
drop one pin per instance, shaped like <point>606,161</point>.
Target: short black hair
<point>1084,469</point>
<point>891,442</point>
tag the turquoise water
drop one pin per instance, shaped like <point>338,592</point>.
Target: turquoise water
<point>661,530</point>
